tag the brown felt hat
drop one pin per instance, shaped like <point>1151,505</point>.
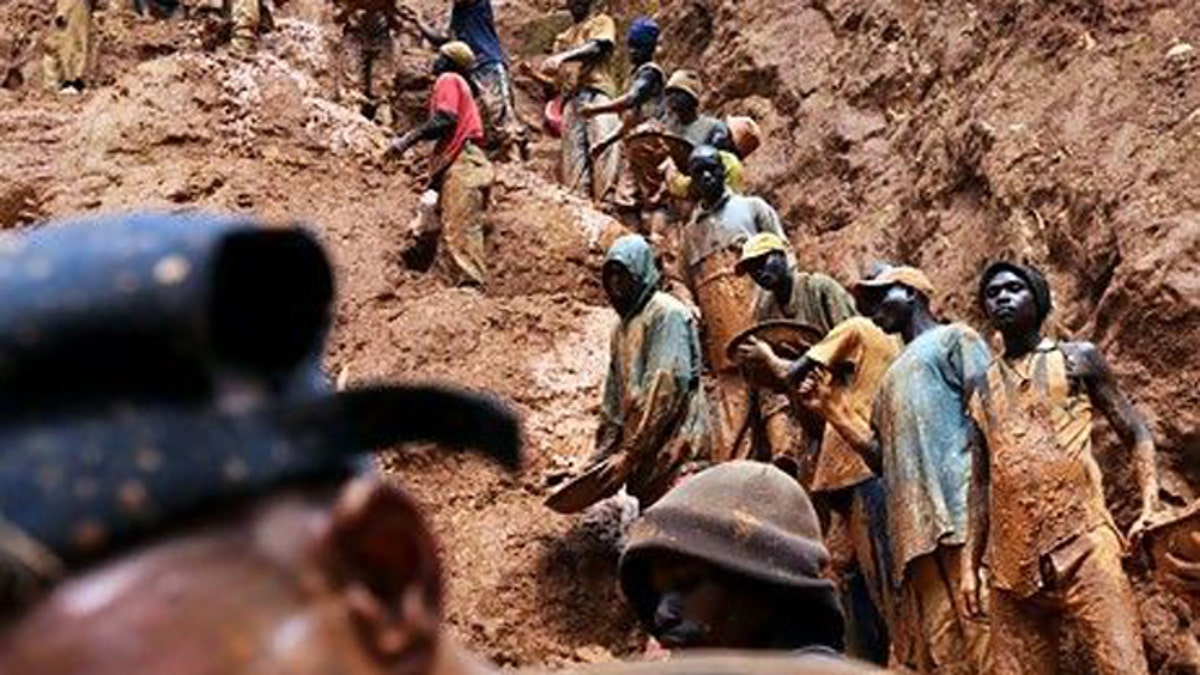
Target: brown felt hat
<point>747,518</point>
<point>687,81</point>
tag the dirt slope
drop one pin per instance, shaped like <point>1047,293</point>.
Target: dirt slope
<point>940,134</point>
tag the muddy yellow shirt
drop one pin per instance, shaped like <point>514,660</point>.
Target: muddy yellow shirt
<point>598,74</point>
<point>857,354</point>
<point>1045,483</point>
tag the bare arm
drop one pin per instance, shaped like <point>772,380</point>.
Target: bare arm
<point>978,522</point>
<point>438,126</point>
<point>588,51</point>
<point>1108,397</point>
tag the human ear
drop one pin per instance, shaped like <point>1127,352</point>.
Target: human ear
<point>380,555</point>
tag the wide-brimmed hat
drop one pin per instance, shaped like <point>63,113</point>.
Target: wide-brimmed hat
<point>748,518</point>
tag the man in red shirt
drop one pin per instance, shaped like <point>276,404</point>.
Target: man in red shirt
<point>460,171</point>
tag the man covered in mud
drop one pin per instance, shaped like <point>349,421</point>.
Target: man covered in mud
<point>584,66</point>
<point>1038,502</point>
<point>654,418</point>
<point>746,136</point>
<point>177,486</point>
<point>920,441</point>
<point>460,171</point>
<point>683,117</point>
<point>786,292</point>
<point>67,46</point>
<point>644,148</point>
<point>474,22</point>
<point>711,247</point>
<point>732,558</point>
<point>851,360</point>
<point>248,18</point>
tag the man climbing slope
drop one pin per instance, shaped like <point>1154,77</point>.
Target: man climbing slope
<point>460,169</point>
<point>474,22</point>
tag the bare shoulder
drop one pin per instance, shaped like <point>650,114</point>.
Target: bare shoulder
<point>1084,359</point>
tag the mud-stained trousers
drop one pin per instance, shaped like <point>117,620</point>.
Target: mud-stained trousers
<point>932,632</point>
<point>1084,585</point>
<point>506,132</point>
<point>68,43</point>
<point>732,397</point>
<point>857,542</point>
<point>577,171</point>
<point>248,18</point>
<point>466,192</point>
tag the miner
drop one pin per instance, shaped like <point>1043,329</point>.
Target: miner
<point>732,558</point>
<point>746,136</point>
<point>920,441</point>
<point>654,417</point>
<point>474,22</point>
<point>178,487</point>
<point>1038,502</point>
<point>67,46</point>
<point>589,47</point>
<point>639,185</point>
<point>850,363</point>
<point>786,292</point>
<point>460,171</point>
<point>683,117</point>
<point>643,100</point>
<point>248,18</point>
<point>711,247</point>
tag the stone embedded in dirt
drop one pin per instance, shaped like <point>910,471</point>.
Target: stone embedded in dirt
<point>1180,50</point>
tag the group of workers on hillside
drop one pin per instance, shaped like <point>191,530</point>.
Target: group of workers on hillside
<point>820,470</point>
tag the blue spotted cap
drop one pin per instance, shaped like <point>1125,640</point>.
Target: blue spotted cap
<point>154,365</point>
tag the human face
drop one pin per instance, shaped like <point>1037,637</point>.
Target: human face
<point>892,310</point>
<point>701,606</point>
<point>640,53</point>
<point>579,9</point>
<point>441,64</point>
<point>708,178</point>
<point>680,103</point>
<point>770,270</point>
<point>620,286</point>
<point>1009,303</point>
<point>250,593</point>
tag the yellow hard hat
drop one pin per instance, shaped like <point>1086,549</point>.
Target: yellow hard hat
<point>758,246</point>
<point>458,52</point>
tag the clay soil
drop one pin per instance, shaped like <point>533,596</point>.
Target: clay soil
<point>939,134</point>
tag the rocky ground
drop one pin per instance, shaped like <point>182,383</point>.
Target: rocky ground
<point>940,134</point>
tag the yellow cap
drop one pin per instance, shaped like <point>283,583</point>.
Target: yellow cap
<point>686,81</point>
<point>758,246</point>
<point>458,52</point>
<point>903,276</point>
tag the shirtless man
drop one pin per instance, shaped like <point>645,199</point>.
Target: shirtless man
<point>1037,501</point>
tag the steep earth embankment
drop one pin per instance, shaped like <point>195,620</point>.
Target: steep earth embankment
<point>940,134</point>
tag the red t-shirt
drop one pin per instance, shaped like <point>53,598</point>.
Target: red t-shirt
<point>452,94</point>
